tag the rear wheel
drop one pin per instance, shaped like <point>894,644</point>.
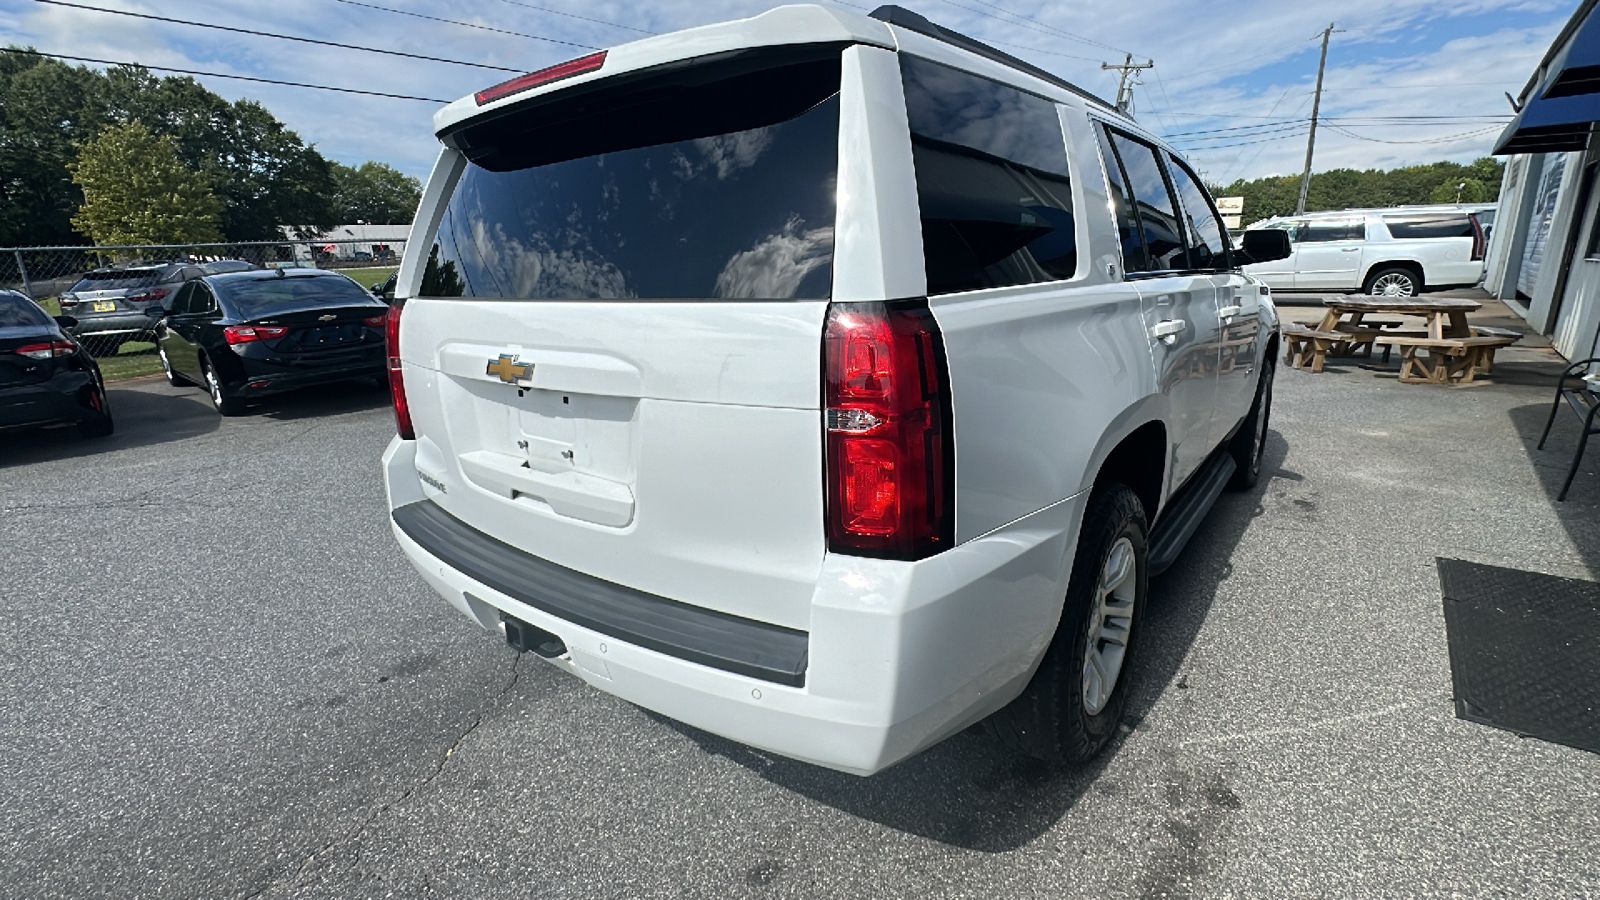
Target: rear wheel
<point>1251,439</point>
<point>224,401</point>
<point>1393,282</point>
<point>1073,705</point>
<point>98,423</point>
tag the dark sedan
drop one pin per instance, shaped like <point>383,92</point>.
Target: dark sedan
<point>244,335</point>
<point>46,377</point>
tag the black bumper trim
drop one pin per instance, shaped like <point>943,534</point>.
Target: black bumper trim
<point>731,643</point>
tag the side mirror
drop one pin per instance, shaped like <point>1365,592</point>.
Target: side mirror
<point>377,288</point>
<point>1265,245</point>
<point>67,322</point>
<point>154,311</point>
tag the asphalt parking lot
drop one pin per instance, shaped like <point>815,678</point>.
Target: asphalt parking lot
<point>221,679</point>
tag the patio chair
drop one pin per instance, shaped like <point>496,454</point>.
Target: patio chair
<point>1585,403</point>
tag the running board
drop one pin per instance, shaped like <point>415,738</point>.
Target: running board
<point>1187,510</point>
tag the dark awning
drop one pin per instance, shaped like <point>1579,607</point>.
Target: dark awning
<point>1562,100</point>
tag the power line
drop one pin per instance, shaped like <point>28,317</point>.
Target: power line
<point>1234,128</point>
<point>1281,137</point>
<point>1238,157</point>
<point>576,16</point>
<point>1438,140</point>
<point>1277,129</point>
<point>1027,23</point>
<point>320,87</point>
<point>1018,46</point>
<point>269,34</point>
<point>402,12</point>
<point>1062,32</point>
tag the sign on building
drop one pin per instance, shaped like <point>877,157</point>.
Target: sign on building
<point>1231,209</point>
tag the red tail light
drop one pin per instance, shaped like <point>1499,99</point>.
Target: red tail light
<point>244,334</point>
<point>1477,238</point>
<point>544,76</point>
<point>890,473</point>
<point>397,385</point>
<point>378,320</point>
<point>46,350</point>
<point>149,294</point>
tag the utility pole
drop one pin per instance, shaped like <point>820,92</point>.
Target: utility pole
<point>1125,84</point>
<point>1311,139</point>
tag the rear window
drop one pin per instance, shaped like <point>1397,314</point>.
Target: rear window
<point>253,298</point>
<point>732,196</point>
<point>1446,225</point>
<point>17,311</point>
<point>113,281</point>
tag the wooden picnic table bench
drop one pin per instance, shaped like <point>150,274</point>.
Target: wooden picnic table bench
<point>1447,350</point>
<point>1449,359</point>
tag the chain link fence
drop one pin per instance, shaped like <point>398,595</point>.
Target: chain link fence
<point>45,273</point>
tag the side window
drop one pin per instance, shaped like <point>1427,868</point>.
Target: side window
<point>1437,225</point>
<point>191,272</point>
<point>992,181</point>
<point>180,303</point>
<point>1208,242</point>
<point>1128,232</point>
<point>1158,211</point>
<point>1321,231</point>
<point>202,300</point>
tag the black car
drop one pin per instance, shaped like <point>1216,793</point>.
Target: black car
<point>47,377</point>
<point>245,335</point>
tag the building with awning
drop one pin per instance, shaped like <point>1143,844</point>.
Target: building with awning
<point>1544,253</point>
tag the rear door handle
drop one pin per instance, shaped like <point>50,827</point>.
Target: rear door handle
<point>1349,249</point>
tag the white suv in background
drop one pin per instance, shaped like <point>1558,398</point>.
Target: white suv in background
<point>1397,252</point>
<point>822,381</point>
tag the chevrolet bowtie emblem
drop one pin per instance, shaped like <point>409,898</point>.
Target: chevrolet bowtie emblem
<point>508,369</point>
<point>327,318</point>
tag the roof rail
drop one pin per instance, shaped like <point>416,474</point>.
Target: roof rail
<point>905,18</point>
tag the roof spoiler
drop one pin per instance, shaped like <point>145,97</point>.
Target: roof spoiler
<point>901,17</point>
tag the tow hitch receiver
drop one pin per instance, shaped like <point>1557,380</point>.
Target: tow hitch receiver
<point>525,638</point>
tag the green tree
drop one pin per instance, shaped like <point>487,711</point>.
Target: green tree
<point>45,105</point>
<point>374,192</point>
<point>1357,188</point>
<point>137,191</point>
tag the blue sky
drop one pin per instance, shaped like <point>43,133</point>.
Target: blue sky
<point>1232,83</point>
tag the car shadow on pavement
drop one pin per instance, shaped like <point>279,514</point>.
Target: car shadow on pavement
<point>969,791</point>
<point>146,413</point>
<point>332,399</point>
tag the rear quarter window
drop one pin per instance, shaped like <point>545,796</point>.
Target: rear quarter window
<point>1448,225</point>
<point>992,181</point>
<point>17,311</point>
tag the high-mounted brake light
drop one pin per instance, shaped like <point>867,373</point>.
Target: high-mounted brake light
<point>46,350</point>
<point>890,469</point>
<point>244,334</point>
<point>544,76</point>
<point>397,385</point>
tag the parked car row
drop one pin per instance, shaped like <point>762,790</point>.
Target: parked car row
<point>240,334</point>
<point>110,303</point>
<point>1397,252</point>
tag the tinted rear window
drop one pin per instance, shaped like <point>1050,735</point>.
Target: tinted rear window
<point>112,281</point>
<point>1447,225</point>
<point>17,311</point>
<point>252,298</point>
<point>733,196</point>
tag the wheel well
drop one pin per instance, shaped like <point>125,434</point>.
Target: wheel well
<point>1413,267</point>
<point>1140,462</point>
<point>1272,350</point>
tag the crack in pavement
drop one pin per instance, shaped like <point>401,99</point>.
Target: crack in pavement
<point>354,834</point>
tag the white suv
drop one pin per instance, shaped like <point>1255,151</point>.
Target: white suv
<point>825,382</point>
<point>1397,252</point>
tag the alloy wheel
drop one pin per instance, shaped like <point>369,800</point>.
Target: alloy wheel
<point>1110,625</point>
<point>1394,284</point>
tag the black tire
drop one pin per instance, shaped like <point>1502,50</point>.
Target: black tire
<point>1250,440</point>
<point>173,378</point>
<point>100,424</point>
<point>1376,281</point>
<point>1052,720</point>
<point>222,400</point>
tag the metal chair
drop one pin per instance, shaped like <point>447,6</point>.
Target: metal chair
<point>1585,403</point>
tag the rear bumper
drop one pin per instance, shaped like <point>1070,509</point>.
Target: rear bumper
<point>114,323</point>
<point>259,378</point>
<point>898,655</point>
<point>59,400</point>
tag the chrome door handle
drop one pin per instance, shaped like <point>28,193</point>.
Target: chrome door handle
<point>1349,249</point>
<point>1228,312</point>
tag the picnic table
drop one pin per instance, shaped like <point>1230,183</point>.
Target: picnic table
<point>1455,350</point>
